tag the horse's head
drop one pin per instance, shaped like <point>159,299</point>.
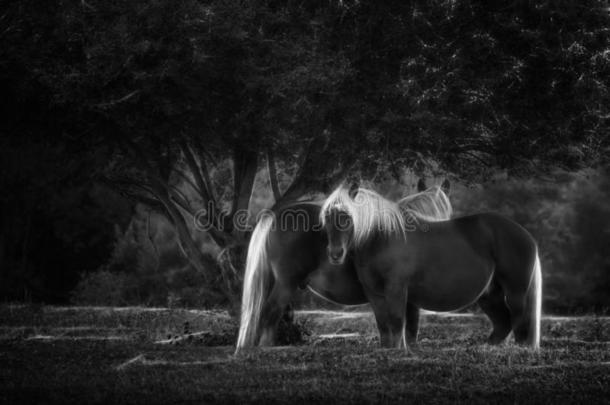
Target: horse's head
<point>351,217</point>
<point>338,223</point>
<point>339,227</point>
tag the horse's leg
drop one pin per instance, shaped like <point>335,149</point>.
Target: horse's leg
<point>390,315</point>
<point>522,293</point>
<point>494,306</point>
<point>412,327</point>
<point>519,317</point>
<point>273,309</point>
<point>521,304</point>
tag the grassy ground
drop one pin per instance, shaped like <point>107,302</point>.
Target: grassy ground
<point>105,355</point>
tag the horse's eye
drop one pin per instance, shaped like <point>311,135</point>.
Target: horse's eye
<point>344,220</point>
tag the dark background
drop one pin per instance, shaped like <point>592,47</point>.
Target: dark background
<point>121,119</point>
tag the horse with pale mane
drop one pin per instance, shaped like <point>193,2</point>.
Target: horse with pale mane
<point>436,265</point>
<point>288,250</point>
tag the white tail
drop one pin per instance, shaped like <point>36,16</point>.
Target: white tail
<point>535,295</point>
<point>256,284</point>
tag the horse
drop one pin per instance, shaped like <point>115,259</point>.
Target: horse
<point>288,250</point>
<point>439,266</point>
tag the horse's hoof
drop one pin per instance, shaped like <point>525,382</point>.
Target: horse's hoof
<point>495,341</point>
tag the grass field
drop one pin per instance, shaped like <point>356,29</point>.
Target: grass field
<point>131,355</point>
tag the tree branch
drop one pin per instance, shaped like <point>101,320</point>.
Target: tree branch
<point>112,103</point>
<point>296,187</point>
<point>181,199</point>
<point>123,187</point>
<point>477,158</point>
<point>190,182</point>
<point>273,175</point>
<point>199,173</point>
<point>245,163</point>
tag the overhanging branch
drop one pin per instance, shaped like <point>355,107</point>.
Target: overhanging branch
<point>273,175</point>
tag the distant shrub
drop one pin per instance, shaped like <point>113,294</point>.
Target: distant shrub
<point>186,288</point>
<point>570,219</point>
<point>175,288</point>
<point>104,287</point>
<point>147,268</point>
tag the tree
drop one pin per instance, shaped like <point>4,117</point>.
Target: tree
<point>186,100</point>
<point>184,94</point>
<point>477,86</point>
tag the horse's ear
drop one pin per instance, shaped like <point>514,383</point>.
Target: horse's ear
<point>421,185</point>
<point>446,186</point>
<point>353,190</point>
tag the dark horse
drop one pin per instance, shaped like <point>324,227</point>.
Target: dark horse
<point>439,266</point>
<point>288,250</point>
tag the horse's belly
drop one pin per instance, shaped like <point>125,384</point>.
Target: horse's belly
<point>449,288</point>
<point>338,284</point>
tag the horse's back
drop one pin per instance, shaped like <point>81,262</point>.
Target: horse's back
<point>487,230</point>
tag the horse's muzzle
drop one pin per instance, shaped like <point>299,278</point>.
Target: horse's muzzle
<point>336,255</point>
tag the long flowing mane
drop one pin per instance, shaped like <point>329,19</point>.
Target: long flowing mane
<point>431,205</point>
<point>370,213</point>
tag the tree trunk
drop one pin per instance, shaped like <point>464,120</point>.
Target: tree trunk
<point>202,263</point>
<point>245,165</point>
<point>232,261</point>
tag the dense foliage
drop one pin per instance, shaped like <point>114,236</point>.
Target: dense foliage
<point>178,104</point>
<point>569,216</point>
